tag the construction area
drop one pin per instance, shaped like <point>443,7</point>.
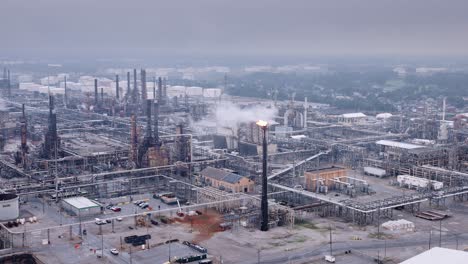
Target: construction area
<point>134,171</point>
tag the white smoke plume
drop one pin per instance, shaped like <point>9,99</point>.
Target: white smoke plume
<point>229,114</point>
<point>227,117</point>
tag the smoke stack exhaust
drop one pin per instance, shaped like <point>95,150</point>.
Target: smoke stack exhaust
<point>117,92</point>
<point>156,121</point>
<point>135,87</point>
<point>9,84</point>
<point>144,94</point>
<point>128,85</point>
<point>149,132</point>
<point>96,99</point>
<point>160,91</point>
<point>65,97</point>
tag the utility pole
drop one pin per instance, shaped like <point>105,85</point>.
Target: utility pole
<point>170,238</point>
<point>102,245</point>
<point>378,223</point>
<point>331,242</point>
<point>130,254</point>
<point>430,238</point>
<point>440,233</point>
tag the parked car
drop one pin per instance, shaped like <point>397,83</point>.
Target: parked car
<point>119,219</point>
<point>114,251</point>
<point>116,209</point>
<point>100,221</point>
<point>108,221</point>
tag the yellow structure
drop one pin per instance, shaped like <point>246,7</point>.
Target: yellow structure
<point>226,180</point>
<point>323,175</point>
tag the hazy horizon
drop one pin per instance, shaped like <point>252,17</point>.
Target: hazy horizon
<point>119,29</point>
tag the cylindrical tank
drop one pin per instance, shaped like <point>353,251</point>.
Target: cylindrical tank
<point>9,206</point>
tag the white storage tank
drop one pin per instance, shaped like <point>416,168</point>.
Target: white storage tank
<point>9,206</point>
<point>417,182</point>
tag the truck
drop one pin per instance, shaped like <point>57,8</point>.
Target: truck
<point>375,172</point>
<point>329,258</point>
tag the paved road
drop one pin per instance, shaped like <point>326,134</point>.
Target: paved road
<point>280,258</point>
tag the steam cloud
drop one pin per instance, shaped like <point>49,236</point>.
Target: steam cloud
<point>229,114</point>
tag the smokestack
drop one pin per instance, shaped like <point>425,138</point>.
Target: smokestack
<point>65,97</point>
<point>160,91</point>
<point>128,85</point>
<point>264,201</point>
<point>133,139</point>
<point>306,107</point>
<point>24,138</point>
<point>154,87</point>
<point>96,99</point>
<point>443,109</point>
<point>135,87</point>
<point>9,84</point>
<point>149,132</point>
<point>165,88</point>
<point>117,92</point>
<point>144,94</point>
<point>156,121</point>
<point>51,137</point>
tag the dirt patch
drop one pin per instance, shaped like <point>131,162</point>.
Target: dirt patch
<point>204,225</point>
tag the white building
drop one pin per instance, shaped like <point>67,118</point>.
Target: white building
<point>438,255</point>
<point>81,206</point>
<point>351,118</point>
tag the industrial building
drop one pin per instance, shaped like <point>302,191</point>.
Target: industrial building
<point>129,139</point>
<point>322,177</point>
<point>80,206</point>
<point>226,180</point>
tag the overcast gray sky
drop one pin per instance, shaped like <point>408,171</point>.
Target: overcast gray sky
<point>244,27</point>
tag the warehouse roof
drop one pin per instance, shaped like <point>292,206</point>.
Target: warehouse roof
<point>81,202</point>
<point>439,255</point>
<point>221,175</point>
<point>396,144</point>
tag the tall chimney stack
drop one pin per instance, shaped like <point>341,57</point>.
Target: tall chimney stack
<point>117,92</point>
<point>144,94</point>
<point>160,91</point>
<point>149,132</point>
<point>264,197</point>
<point>165,88</point>
<point>154,87</point>
<point>96,99</point>
<point>133,139</point>
<point>24,138</point>
<point>135,87</point>
<point>156,121</point>
<point>9,84</point>
<point>129,90</point>
<point>65,96</point>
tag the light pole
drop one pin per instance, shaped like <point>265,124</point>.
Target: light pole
<point>264,206</point>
